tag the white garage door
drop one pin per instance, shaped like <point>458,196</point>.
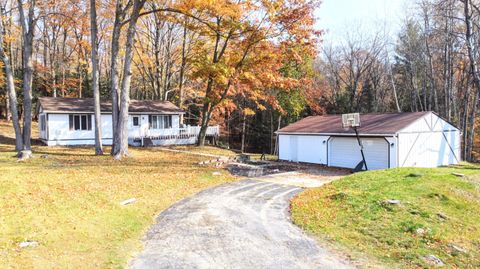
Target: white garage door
<point>345,152</point>
<point>303,148</point>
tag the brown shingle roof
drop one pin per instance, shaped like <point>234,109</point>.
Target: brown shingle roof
<point>60,104</point>
<point>371,124</point>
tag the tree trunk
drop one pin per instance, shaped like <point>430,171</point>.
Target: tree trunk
<point>28,28</point>
<point>474,73</point>
<point>244,124</point>
<point>182,66</point>
<point>8,115</point>
<point>278,128</point>
<point>117,27</point>
<point>465,122</point>
<point>205,114</point>
<point>122,126</point>
<point>12,95</point>
<point>158,68</point>
<point>204,125</point>
<point>95,79</point>
<point>471,131</point>
<point>431,70</point>
<point>394,88</point>
<point>272,132</point>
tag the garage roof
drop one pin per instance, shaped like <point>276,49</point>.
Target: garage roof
<point>85,105</point>
<point>371,124</point>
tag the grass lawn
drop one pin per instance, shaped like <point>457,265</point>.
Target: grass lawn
<point>437,211</point>
<point>68,200</point>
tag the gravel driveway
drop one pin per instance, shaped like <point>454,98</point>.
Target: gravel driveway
<point>243,224</point>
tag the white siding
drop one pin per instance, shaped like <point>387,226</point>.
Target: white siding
<point>60,134</point>
<point>345,152</point>
<point>429,149</point>
<point>428,123</point>
<point>429,142</point>
<point>303,148</point>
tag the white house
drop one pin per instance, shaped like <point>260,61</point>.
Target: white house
<point>416,139</point>
<point>70,121</point>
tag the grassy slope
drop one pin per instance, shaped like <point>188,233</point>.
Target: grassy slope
<point>69,202</point>
<point>351,213</point>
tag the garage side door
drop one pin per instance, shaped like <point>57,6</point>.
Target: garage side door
<point>345,152</point>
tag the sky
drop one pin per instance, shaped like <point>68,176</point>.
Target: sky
<point>337,16</point>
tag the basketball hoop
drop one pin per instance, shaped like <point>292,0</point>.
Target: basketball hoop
<point>352,120</point>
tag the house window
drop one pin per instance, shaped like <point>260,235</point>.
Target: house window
<point>160,121</point>
<point>80,122</point>
<point>136,121</point>
<point>43,123</point>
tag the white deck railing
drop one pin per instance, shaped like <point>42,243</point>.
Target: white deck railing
<point>178,133</point>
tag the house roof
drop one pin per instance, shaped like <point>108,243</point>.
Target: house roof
<point>85,105</point>
<point>371,124</point>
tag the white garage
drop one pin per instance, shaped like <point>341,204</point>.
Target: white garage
<point>416,139</point>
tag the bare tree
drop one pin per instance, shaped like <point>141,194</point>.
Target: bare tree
<point>12,95</point>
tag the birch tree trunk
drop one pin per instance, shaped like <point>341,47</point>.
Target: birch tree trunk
<point>12,95</point>
<point>95,79</point>
<point>28,28</point>
<point>122,126</point>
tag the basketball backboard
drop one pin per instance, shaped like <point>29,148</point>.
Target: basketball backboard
<point>351,120</point>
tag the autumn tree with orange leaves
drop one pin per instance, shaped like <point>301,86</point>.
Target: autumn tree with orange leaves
<point>243,46</point>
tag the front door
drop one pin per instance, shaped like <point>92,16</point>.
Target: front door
<point>136,125</point>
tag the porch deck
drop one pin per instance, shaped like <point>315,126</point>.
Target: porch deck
<point>173,136</point>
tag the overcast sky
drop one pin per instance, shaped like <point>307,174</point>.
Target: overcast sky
<point>335,16</point>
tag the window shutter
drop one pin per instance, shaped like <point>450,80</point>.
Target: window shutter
<point>70,122</point>
<point>149,121</point>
